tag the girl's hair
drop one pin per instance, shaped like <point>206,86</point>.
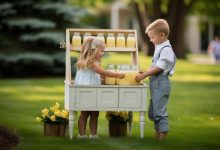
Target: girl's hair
<point>160,26</point>
<point>88,52</point>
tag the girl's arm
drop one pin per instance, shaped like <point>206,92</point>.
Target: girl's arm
<point>150,72</point>
<point>103,72</point>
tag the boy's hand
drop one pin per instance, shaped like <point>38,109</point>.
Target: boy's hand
<point>139,77</point>
<point>121,75</point>
<point>141,72</point>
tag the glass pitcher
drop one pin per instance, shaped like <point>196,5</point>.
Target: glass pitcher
<point>133,73</point>
<point>124,68</point>
<point>110,80</point>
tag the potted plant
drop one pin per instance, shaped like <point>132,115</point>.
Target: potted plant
<point>117,123</point>
<point>55,120</point>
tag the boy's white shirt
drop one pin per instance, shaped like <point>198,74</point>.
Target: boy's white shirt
<point>166,59</point>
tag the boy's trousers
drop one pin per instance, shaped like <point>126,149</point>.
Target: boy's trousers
<point>160,91</point>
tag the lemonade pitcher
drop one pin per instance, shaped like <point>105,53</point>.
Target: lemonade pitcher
<point>109,80</point>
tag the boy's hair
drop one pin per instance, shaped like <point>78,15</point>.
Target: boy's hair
<point>88,52</point>
<point>160,26</point>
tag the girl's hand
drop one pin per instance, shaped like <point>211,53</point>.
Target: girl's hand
<point>121,75</point>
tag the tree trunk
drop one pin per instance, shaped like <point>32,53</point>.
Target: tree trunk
<point>175,16</point>
<point>142,27</point>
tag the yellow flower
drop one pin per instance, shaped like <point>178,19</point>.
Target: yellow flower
<point>38,119</point>
<point>53,117</point>
<point>65,114</point>
<point>45,112</point>
<point>56,106</point>
<point>57,113</point>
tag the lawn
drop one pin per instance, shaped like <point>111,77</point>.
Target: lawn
<point>193,108</point>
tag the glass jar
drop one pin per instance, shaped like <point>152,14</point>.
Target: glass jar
<point>86,36</point>
<point>101,37</point>
<point>133,73</point>
<point>130,40</point>
<point>124,68</point>
<point>110,40</point>
<point>110,80</point>
<point>120,40</point>
<point>76,39</point>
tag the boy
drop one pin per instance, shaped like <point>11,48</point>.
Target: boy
<point>163,65</point>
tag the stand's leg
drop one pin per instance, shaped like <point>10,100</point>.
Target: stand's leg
<point>71,123</point>
<point>130,122</point>
<point>142,122</point>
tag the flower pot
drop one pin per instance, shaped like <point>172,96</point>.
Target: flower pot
<point>55,130</point>
<point>117,130</point>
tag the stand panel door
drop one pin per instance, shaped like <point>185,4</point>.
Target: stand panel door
<point>130,97</point>
<point>85,97</point>
<point>107,97</point>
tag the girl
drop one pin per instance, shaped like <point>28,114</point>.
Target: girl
<point>88,73</point>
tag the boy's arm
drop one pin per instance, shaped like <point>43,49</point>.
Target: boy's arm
<point>150,72</point>
<point>103,72</point>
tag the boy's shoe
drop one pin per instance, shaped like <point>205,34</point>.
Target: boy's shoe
<point>93,136</point>
<point>82,136</point>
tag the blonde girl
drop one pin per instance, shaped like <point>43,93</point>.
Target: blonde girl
<point>89,72</point>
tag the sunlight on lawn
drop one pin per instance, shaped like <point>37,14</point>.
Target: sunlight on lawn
<point>35,93</point>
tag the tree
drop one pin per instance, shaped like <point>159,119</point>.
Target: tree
<point>36,24</point>
<point>174,11</point>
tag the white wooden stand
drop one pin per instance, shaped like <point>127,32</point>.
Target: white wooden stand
<point>104,97</point>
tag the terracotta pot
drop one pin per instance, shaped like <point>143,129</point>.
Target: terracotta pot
<point>55,130</point>
<point>117,130</point>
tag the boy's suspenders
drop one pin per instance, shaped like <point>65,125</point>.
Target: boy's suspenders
<point>174,58</point>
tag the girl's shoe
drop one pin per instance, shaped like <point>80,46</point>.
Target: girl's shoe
<point>93,136</point>
<point>82,136</point>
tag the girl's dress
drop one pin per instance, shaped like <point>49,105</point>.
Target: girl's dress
<point>87,77</point>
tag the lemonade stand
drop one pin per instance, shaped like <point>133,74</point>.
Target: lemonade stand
<point>115,95</point>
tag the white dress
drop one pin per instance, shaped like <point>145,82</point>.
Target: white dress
<point>87,77</point>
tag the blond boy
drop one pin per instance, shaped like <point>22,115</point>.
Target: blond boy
<point>162,67</point>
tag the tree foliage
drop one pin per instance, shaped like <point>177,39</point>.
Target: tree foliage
<point>36,24</point>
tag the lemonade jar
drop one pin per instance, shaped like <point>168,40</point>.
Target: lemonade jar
<point>124,68</point>
<point>86,36</point>
<point>120,40</point>
<point>110,40</point>
<point>118,69</point>
<point>110,80</point>
<point>101,37</point>
<point>130,40</point>
<point>133,73</point>
<point>76,39</point>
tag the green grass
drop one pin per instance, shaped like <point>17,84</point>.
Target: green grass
<point>193,108</point>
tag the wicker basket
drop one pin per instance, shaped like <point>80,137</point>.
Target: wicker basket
<point>117,130</point>
<point>55,130</point>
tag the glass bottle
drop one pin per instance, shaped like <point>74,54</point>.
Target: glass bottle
<point>130,40</point>
<point>110,80</point>
<point>86,36</point>
<point>76,39</point>
<point>101,37</point>
<point>110,40</point>
<point>120,40</point>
